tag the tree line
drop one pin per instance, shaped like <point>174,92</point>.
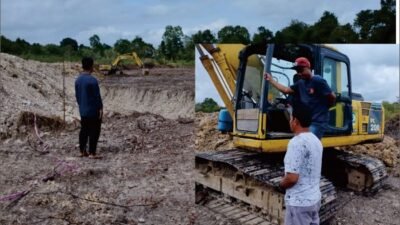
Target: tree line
<point>370,26</point>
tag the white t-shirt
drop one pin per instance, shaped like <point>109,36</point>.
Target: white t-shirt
<point>304,157</point>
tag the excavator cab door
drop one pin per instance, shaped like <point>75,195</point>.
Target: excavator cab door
<point>249,97</point>
<point>336,72</point>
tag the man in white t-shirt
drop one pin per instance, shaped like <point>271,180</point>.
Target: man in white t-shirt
<point>303,161</point>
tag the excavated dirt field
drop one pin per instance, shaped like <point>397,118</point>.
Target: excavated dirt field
<point>383,208</point>
<point>149,137</point>
<point>147,145</point>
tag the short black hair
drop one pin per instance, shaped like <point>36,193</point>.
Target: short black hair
<point>87,63</point>
<point>302,113</point>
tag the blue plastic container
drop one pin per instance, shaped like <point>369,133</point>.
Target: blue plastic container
<point>225,123</point>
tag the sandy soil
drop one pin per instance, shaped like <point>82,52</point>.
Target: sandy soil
<point>148,141</point>
<point>147,145</point>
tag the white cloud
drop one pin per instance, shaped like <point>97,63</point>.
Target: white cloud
<point>158,10</point>
<point>212,26</point>
<point>376,82</point>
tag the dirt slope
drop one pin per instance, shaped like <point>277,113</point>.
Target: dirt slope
<point>32,86</point>
<point>147,144</point>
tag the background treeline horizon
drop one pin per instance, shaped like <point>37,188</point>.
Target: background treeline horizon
<point>369,26</point>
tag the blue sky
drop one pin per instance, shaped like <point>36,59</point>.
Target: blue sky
<point>374,69</point>
<point>48,21</point>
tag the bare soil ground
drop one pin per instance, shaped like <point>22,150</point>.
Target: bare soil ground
<point>147,145</point>
<point>382,208</point>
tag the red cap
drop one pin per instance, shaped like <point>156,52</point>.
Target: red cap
<point>302,62</point>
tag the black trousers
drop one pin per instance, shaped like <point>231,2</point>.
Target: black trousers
<point>90,129</point>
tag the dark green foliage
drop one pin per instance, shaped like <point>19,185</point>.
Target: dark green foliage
<point>234,34</point>
<point>294,33</point>
<point>378,26</point>
<point>69,43</point>
<point>172,42</point>
<point>263,35</point>
<point>205,37</point>
<point>208,105</point>
<point>142,48</point>
<point>123,46</point>
<point>391,109</point>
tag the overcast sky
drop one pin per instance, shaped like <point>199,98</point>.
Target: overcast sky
<point>375,67</point>
<point>374,70</point>
<point>49,21</point>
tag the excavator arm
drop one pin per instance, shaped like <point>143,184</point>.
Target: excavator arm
<point>129,56</point>
<point>221,69</point>
<point>113,67</point>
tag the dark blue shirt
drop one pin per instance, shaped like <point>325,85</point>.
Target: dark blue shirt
<point>313,93</point>
<point>87,94</point>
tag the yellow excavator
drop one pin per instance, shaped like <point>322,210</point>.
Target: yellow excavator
<point>115,66</point>
<point>241,183</point>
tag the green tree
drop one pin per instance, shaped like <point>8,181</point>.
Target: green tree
<point>378,26</point>
<point>234,34</point>
<point>7,45</point>
<point>95,41</point>
<point>294,33</point>
<point>323,28</point>
<point>208,105</point>
<point>263,34</point>
<point>53,49</point>
<point>37,49</point>
<point>96,44</point>
<point>204,37</point>
<point>343,34</point>
<point>142,48</point>
<point>21,46</point>
<point>123,46</point>
<point>73,44</point>
<point>172,42</point>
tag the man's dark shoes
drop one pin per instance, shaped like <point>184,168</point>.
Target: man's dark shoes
<point>84,154</point>
<point>94,156</point>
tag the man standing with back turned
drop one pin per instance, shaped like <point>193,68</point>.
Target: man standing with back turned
<point>87,94</point>
<point>311,90</point>
<point>303,162</point>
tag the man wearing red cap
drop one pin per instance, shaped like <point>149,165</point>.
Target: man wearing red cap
<point>311,90</point>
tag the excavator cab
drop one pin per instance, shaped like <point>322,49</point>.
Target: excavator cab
<point>263,112</point>
<point>232,181</point>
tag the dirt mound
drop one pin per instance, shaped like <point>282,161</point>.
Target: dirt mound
<point>392,127</point>
<point>167,92</point>
<point>388,151</point>
<point>145,174</point>
<point>31,86</point>
<point>208,138</point>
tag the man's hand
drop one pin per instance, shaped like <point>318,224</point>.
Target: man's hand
<point>289,180</point>
<point>280,87</point>
<point>332,99</point>
<point>267,76</point>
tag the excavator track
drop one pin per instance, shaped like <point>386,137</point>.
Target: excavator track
<point>360,173</point>
<point>248,178</point>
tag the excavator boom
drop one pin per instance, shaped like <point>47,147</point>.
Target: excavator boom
<point>114,66</point>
